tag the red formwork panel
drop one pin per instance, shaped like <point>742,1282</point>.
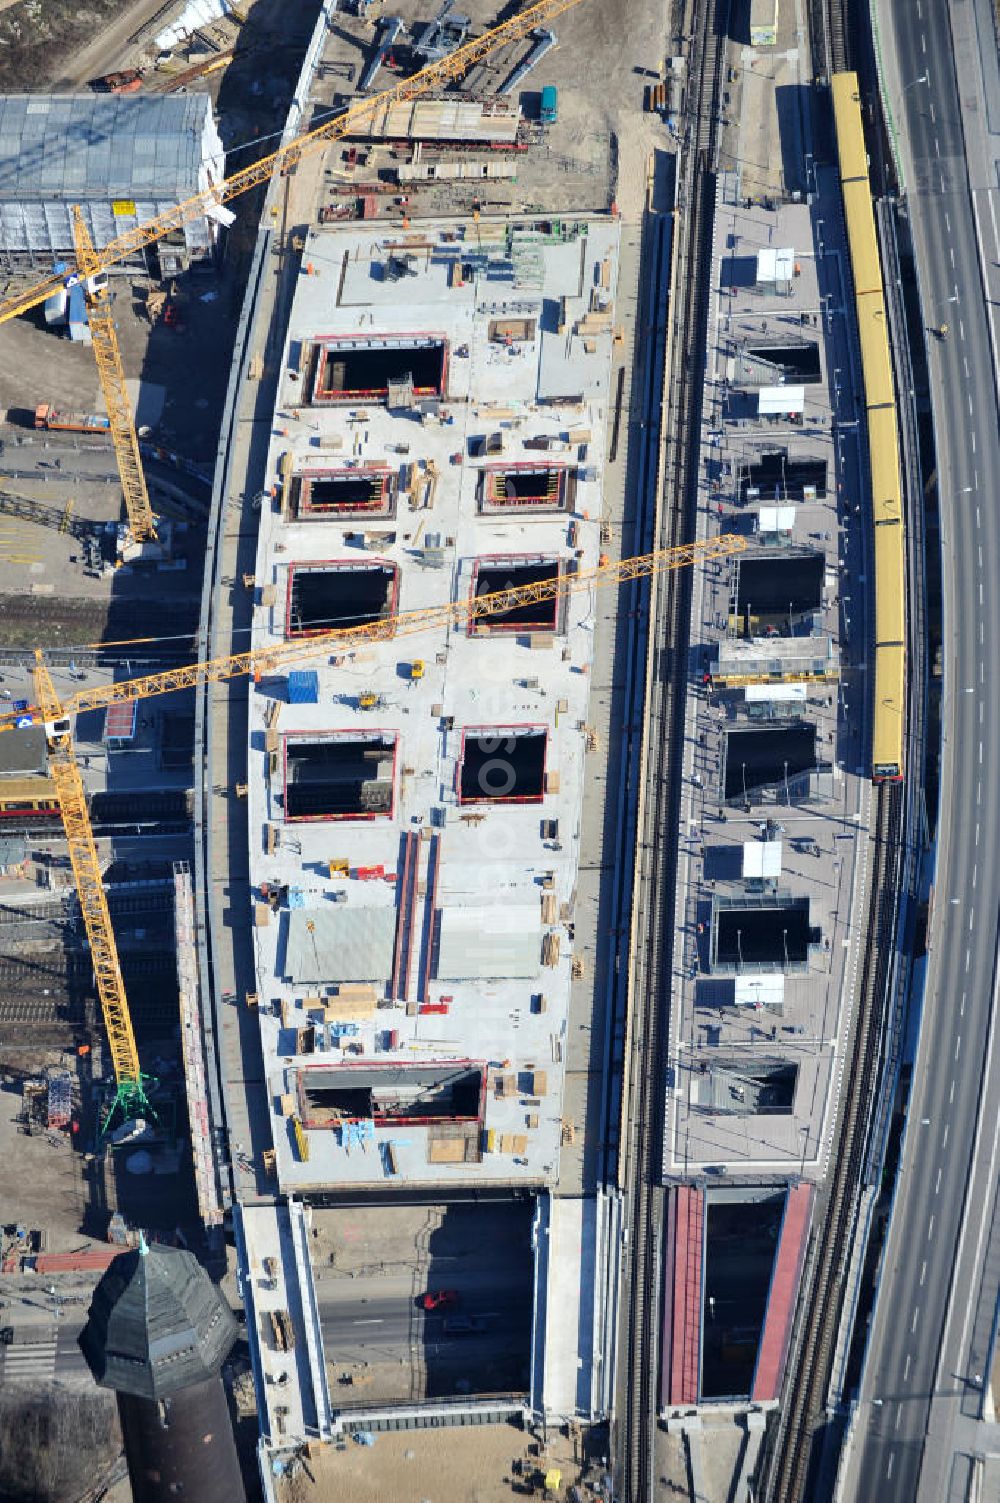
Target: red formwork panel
<point>330,344</point>
<point>688,1269</point>
<point>501,733</point>
<point>336,565</point>
<point>393,1120</point>
<point>781,1296</point>
<point>320,736</point>
<point>488,626</point>
<point>381,506</point>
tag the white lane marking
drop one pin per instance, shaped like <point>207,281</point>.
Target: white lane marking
<point>888,1470</point>
<point>958,1046</point>
<point>951,254</point>
<point>972,915</point>
<point>947,223</point>
<point>975,870</point>
<point>980,602</point>
<point>968,960</point>
<point>937,147</point>
<point>973,443</point>
<point>961,1006</point>
<point>916,1317</point>
<point>937,1183</point>
<point>906,1368</point>
<point>961,329</point>
<point>980,754</point>
<point>923,1272</point>
<point>944,1135</point>
<point>977,834</point>
<point>951,1094</point>
<point>970,404</point>
<point>933,116</point>
<point>899,1416</point>
<point>966,365</point>
<point>923,44</point>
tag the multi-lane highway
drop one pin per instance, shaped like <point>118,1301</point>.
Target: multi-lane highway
<point>919,1356</point>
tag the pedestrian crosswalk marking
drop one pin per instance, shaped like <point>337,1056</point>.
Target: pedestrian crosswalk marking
<point>35,1359</point>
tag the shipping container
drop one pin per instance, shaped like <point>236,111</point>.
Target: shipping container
<point>303,686</point>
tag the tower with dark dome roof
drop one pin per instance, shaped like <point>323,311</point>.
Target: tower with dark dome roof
<point>158,1334</point>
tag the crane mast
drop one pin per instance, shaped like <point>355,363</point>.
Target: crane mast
<point>109,368</point>
<point>130,1099</point>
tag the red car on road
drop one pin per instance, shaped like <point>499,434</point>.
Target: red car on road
<point>439,1298</point>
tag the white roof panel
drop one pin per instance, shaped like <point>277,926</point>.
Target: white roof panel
<point>503,941</point>
<point>759,991</point>
<point>766,258</point>
<point>762,858</point>
<point>784,263</point>
<point>776,518</point>
<point>772,401</point>
<point>766,693</point>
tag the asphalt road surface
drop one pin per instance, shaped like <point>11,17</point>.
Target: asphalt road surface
<point>910,1319</point>
<point>41,1354</point>
<point>379,1320</point>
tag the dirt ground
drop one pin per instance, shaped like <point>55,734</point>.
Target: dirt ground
<point>595,154</point>
<point>41,1185</point>
<point>463,1464</point>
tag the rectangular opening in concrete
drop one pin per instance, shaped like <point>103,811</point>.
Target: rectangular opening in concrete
<point>496,573</point>
<point>340,775</point>
<point>773,476</point>
<point>773,758</point>
<point>366,491</point>
<point>767,935</point>
<point>794,362</point>
<point>741,1242</point>
<point>526,488</point>
<point>362,370</point>
<point>482,1249</point>
<point>333,596</point>
<point>502,765</point>
<point>420,1094</point>
<point>775,591</point>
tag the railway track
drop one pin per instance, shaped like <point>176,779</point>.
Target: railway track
<point>652,959</point>
<point>152,900</point>
<point>790,1452</point>
<point>43,1012</point>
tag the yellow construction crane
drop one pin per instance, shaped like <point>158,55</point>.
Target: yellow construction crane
<point>261,660</point>
<point>56,716</point>
<point>130,1098</point>
<point>109,368</point>
<point>356,119</point>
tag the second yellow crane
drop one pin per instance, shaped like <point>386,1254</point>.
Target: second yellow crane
<point>56,715</point>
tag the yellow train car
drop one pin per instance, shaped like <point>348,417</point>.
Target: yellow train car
<point>865,263</point>
<point>890,701</point>
<point>853,157</point>
<point>890,610</point>
<point>889,679</point>
<point>884,466</point>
